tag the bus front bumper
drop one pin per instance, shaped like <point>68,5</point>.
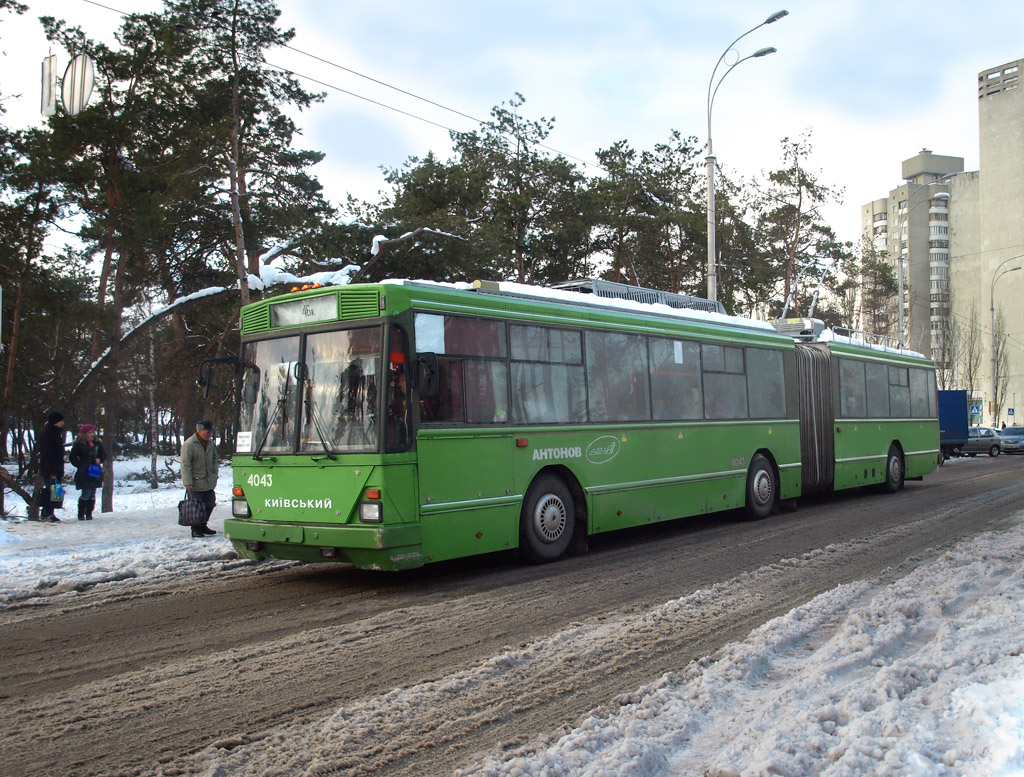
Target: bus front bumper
<point>388,548</point>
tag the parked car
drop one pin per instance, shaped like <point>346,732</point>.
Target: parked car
<point>982,439</point>
<point>1013,439</point>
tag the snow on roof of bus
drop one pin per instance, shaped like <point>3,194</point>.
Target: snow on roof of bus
<point>829,336</point>
<point>576,298</point>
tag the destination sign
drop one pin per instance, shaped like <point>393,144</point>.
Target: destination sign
<point>305,311</point>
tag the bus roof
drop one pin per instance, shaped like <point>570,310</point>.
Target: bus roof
<point>799,331</point>
<point>829,336</point>
<point>546,294</point>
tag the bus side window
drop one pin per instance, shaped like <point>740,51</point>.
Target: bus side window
<point>451,391</point>
<point>617,377</point>
<point>448,404</point>
<point>766,383</point>
<point>398,426</point>
<point>852,389</point>
<point>725,382</point>
<point>899,392</point>
<point>675,379</point>
<point>486,391</point>
<point>397,408</point>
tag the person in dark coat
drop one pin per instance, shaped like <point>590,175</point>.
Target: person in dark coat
<point>51,462</point>
<point>87,453</point>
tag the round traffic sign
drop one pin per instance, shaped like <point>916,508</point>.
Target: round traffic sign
<point>76,88</point>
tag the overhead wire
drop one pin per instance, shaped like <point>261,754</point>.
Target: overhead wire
<point>358,96</point>
<point>380,104</point>
<point>415,96</point>
<point>383,83</point>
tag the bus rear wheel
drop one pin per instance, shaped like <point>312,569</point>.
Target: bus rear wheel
<point>547,521</point>
<point>893,470</point>
<point>762,488</point>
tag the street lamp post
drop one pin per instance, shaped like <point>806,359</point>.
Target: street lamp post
<point>996,275</point>
<point>905,220</point>
<point>712,271</point>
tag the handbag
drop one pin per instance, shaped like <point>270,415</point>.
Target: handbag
<point>191,512</point>
<point>95,470</point>
<point>56,494</point>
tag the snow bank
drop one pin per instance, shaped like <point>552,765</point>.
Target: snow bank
<point>140,540</point>
<point>924,676</point>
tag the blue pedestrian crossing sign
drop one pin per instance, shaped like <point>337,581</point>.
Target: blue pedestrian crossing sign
<point>975,409</point>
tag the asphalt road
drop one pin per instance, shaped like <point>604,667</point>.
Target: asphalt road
<point>258,668</point>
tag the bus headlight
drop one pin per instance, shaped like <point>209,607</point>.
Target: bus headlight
<point>369,512</point>
<point>239,504</point>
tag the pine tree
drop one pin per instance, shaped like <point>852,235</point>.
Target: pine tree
<point>29,205</point>
<point>650,223</point>
<point>798,244</point>
<point>878,287</point>
<point>184,173</point>
<point>510,211</point>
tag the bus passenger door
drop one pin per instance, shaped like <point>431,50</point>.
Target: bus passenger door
<point>468,501</point>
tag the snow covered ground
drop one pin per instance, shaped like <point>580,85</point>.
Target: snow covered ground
<point>139,540</point>
<point>923,675</point>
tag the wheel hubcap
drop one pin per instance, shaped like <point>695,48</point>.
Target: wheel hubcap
<point>894,469</point>
<point>549,519</point>
<point>762,487</point>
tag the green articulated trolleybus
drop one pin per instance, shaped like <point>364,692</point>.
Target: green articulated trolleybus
<point>396,424</point>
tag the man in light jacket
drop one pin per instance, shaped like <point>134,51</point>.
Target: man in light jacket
<point>199,471</point>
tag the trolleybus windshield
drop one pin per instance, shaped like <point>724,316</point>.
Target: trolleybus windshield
<point>307,392</point>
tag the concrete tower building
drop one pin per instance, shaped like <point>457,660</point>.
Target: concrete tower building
<point>987,245</point>
<point>911,228</point>
<point>959,238</point>
<point>919,209</point>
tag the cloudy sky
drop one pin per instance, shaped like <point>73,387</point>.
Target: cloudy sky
<point>873,81</point>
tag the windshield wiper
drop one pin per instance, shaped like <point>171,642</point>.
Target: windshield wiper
<point>311,413</point>
<point>266,432</point>
<point>277,409</point>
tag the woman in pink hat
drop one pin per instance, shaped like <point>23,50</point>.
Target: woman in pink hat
<point>87,457</point>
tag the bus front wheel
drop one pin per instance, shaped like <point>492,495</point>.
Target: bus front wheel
<point>762,488</point>
<point>894,470</point>
<point>547,520</point>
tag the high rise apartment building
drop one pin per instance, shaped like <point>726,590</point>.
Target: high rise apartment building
<point>987,245</point>
<point>910,228</point>
<point>959,239</point>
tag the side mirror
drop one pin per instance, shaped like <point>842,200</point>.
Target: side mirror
<point>250,384</point>
<point>204,380</point>
<point>426,374</point>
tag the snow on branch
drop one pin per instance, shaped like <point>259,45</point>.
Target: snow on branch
<point>272,276</point>
<point>269,276</point>
<point>380,241</point>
